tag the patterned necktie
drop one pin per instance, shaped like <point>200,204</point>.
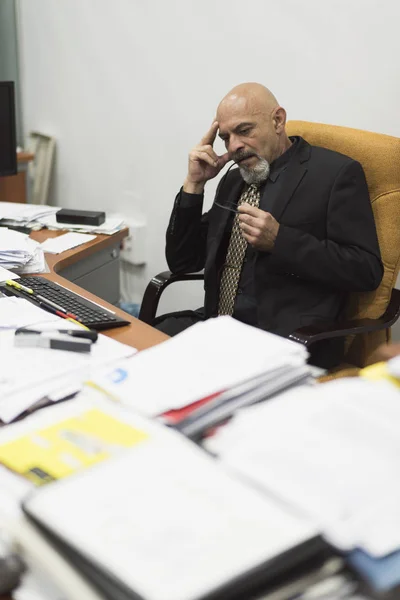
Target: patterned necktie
<point>235,256</point>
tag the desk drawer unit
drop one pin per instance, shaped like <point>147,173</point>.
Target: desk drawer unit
<point>98,273</point>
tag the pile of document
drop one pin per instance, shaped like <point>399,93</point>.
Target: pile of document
<point>36,216</point>
<point>331,451</point>
<point>20,253</point>
<point>32,375</point>
<point>156,516</point>
<point>236,363</point>
<point>112,224</point>
<point>14,213</point>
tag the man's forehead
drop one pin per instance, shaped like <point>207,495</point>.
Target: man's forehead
<point>233,105</point>
<point>234,111</point>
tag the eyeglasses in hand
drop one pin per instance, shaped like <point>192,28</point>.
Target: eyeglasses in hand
<point>230,206</point>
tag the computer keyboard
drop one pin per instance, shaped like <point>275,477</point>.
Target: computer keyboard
<point>89,313</point>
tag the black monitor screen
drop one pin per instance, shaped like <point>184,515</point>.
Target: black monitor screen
<point>8,152</point>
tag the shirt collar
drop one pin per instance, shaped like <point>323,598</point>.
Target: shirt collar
<point>283,160</point>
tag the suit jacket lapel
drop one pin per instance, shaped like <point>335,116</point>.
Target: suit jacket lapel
<point>295,172</point>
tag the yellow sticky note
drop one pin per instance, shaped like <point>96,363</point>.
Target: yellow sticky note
<point>378,371</point>
<point>69,446</point>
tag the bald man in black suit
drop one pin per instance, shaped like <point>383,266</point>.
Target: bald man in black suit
<point>310,236</point>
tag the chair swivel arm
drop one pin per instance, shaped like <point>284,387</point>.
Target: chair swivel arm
<point>305,335</point>
<point>155,288</point>
<point>314,333</point>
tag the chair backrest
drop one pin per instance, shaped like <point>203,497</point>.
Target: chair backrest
<point>379,156</point>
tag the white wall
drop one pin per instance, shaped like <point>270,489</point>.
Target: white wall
<point>128,86</point>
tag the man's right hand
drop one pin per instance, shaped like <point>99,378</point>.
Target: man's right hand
<point>204,163</point>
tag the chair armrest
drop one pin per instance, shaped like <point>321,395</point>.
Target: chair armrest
<point>155,288</point>
<point>314,333</point>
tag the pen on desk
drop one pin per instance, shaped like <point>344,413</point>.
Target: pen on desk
<point>41,299</point>
<point>19,286</point>
<point>63,315</point>
<point>56,306</point>
<point>76,322</point>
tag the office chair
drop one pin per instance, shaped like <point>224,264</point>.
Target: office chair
<point>368,315</point>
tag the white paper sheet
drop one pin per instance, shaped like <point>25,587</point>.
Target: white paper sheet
<point>207,358</point>
<point>6,274</point>
<point>393,367</point>
<point>332,451</point>
<point>65,242</point>
<point>18,312</point>
<point>29,374</point>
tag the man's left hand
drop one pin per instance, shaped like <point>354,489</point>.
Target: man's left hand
<point>259,228</point>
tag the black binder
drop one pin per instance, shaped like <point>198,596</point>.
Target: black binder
<point>296,562</point>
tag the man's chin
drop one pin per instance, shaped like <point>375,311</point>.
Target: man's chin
<point>250,175</point>
<point>255,173</point>
<point>247,174</point>
<point>248,166</point>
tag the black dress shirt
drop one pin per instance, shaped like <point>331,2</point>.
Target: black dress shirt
<point>245,308</point>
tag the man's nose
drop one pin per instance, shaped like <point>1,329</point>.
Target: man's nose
<point>235,144</point>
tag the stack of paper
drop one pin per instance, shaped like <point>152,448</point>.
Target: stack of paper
<point>25,212</point>
<point>29,375</point>
<point>161,519</point>
<point>31,215</point>
<point>112,224</point>
<point>332,451</point>
<point>210,357</point>
<point>20,253</point>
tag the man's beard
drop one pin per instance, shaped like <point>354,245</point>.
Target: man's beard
<point>252,175</point>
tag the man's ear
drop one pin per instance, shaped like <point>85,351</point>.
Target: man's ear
<point>279,119</point>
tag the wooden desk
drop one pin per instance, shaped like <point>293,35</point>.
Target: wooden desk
<point>14,187</point>
<point>137,334</point>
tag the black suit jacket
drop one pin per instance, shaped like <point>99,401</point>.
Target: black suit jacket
<point>326,246</point>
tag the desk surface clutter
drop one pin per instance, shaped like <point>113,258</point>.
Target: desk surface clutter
<point>297,482</point>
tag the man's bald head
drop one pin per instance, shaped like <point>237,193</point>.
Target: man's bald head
<point>252,97</point>
<point>252,126</point>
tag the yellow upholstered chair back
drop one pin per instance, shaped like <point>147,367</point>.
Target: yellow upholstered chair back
<point>379,156</point>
